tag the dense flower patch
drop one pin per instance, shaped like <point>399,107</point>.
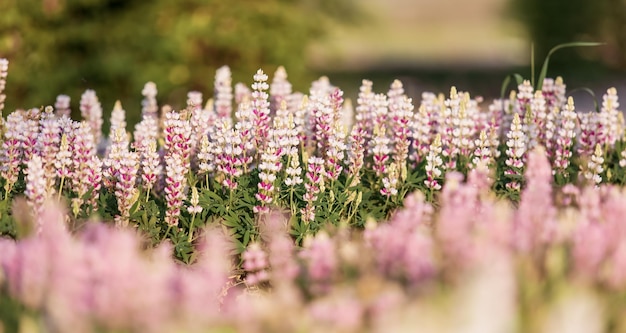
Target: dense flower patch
<point>268,210</point>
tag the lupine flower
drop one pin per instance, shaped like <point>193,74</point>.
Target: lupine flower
<point>482,157</point>
<point>91,111</point>
<point>609,109</point>
<point>255,264</point>
<point>118,118</point>
<point>447,127</point>
<point>421,133</point>
<point>126,192</point>
<point>149,107</point>
<point>30,134</point>
<point>36,183</point>
<point>565,138</point>
<point>177,134</point>
<point>151,168</point>
<point>260,110</point>
<point>335,153</point>
<point>434,165</point>
<point>515,152</point>
<point>463,129</point>
<point>380,142</point>
<point>269,167</point>
<point>280,89</point>
<point>321,262</point>
<point>365,109</point>
<point>535,220</point>
<point>175,188</point>
<point>553,121</point>
<point>356,153</point>
<point>322,115</point>
<point>223,92</point>
<point>12,153</point>
<point>49,140</point>
<point>314,185</point>
<point>228,152</point>
<point>390,181</point>
<point>119,144</point>
<point>594,167</point>
<point>402,123</point>
<point>524,97</point>
<point>145,131</point>
<point>62,106</point>
<point>588,133</point>
<point>4,71</point>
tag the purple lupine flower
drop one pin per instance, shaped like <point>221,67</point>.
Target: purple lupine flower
<point>91,111</point>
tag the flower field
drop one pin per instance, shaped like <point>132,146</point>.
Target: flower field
<point>262,209</point>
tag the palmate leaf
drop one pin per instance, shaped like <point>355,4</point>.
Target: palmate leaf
<point>544,68</point>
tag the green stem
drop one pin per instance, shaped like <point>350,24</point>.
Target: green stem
<point>61,188</point>
<point>193,217</point>
<point>148,193</point>
<point>169,227</point>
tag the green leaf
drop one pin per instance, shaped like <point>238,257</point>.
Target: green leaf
<point>544,68</point>
<point>507,80</point>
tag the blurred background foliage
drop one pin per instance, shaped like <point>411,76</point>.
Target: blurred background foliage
<point>115,46</point>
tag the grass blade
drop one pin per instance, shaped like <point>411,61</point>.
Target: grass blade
<point>507,80</point>
<point>590,92</point>
<point>544,68</point>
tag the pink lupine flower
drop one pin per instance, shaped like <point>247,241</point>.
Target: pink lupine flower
<point>402,248</point>
<point>118,118</point>
<point>565,137</point>
<point>151,168</point>
<point>280,88</point>
<point>36,190</point>
<point>175,188</point>
<point>321,262</point>
<point>380,142</point>
<point>365,110</point>
<point>343,313</point>
<point>12,153</point>
<point>588,133</point>
<point>149,106</point>
<point>62,106</point>
<point>30,134</point>
<point>322,116</point>
<point>228,153</point>
<point>434,165</point>
<point>356,153</point>
<point>421,133</point>
<point>401,129</point>
<point>4,71</point>
<point>126,192</point>
<point>535,220</point>
<point>314,185</point>
<point>269,167</point>
<point>463,130</point>
<point>223,92</point>
<point>177,134</point>
<point>91,111</point>
<point>594,167</point>
<point>242,93</point>
<point>260,110</point>
<point>516,151</point>
<point>482,158</point>
<point>552,124</point>
<point>255,263</point>
<point>335,153</point>
<point>48,146</point>
<point>610,105</point>
<point>524,97</point>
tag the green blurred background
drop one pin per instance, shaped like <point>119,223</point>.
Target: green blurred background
<point>115,46</point>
